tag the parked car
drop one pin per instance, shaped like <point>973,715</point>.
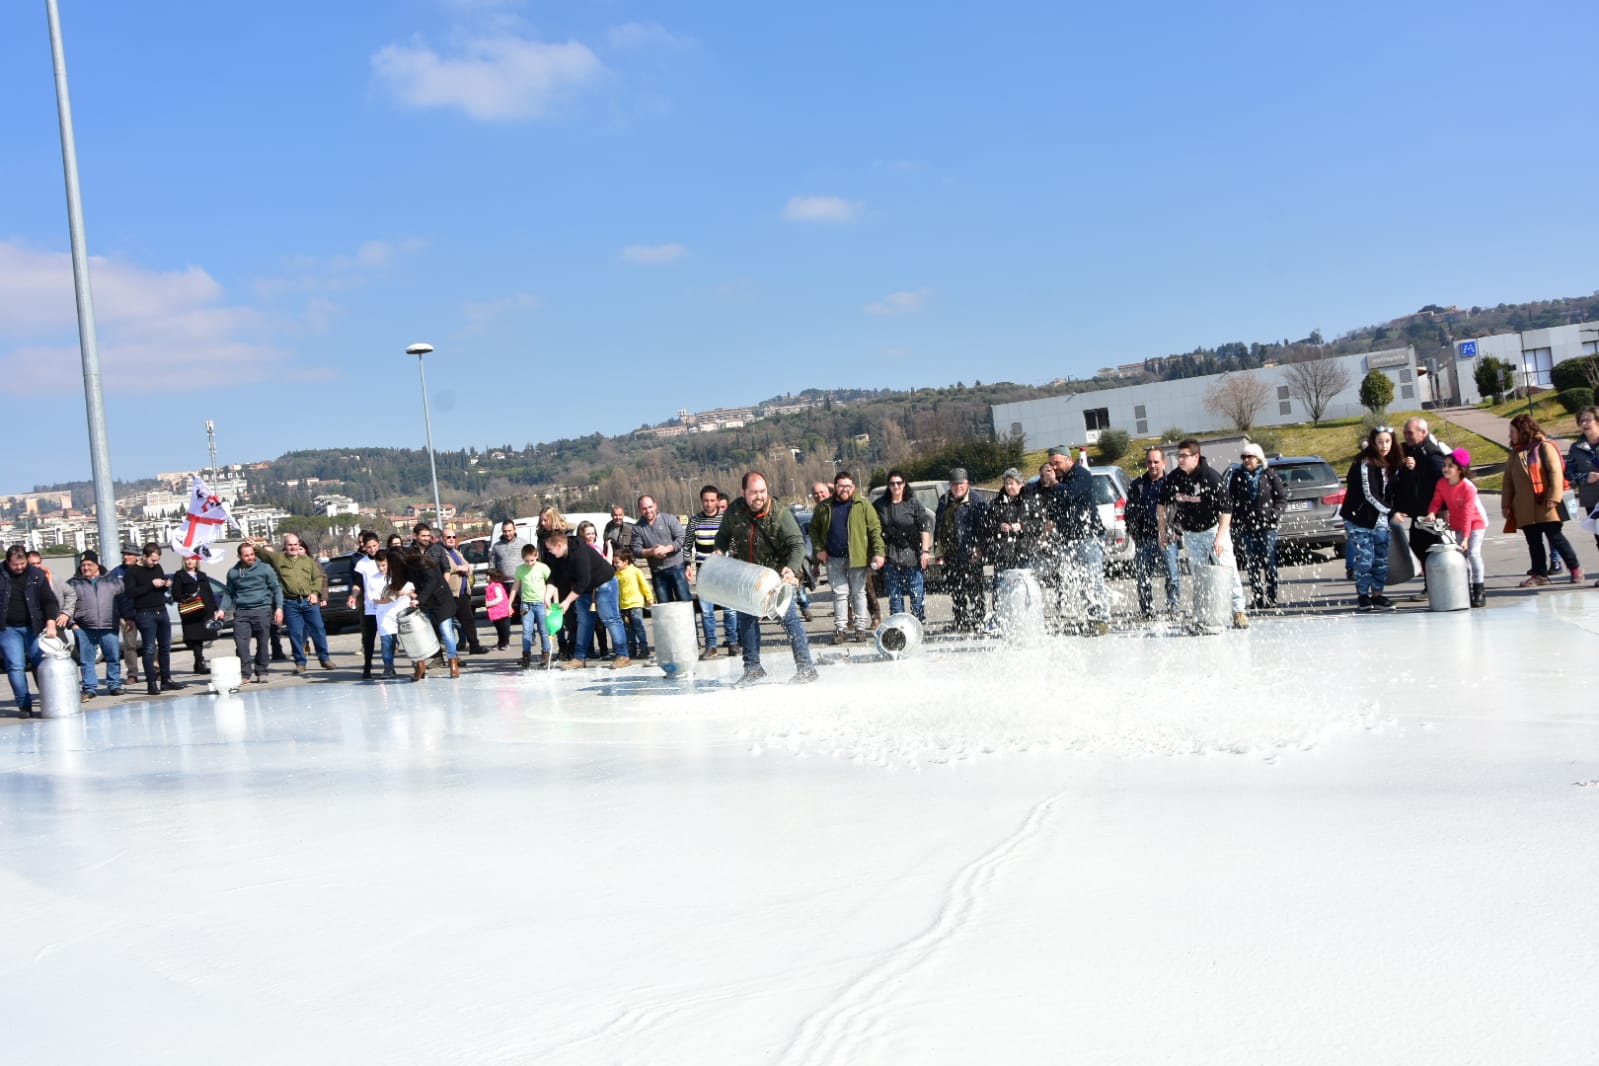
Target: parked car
<point>335,615</point>
<point>1310,521</point>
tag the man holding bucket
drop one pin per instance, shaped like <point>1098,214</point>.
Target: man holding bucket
<point>754,531</point>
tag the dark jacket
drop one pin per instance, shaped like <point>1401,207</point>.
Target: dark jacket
<point>958,530</point>
<point>903,525</point>
<point>1013,549</point>
<point>433,595</point>
<point>772,539</point>
<point>1413,488</point>
<point>40,598</point>
<point>1072,507</point>
<point>1194,502</point>
<point>1369,495</point>
<point>1265,509</point>
<point>1581,460</point>
<point>560,566</point>
<point>588,569</point>
<point>1143,497</point>
<point>184,585</point>
<point>139,584</point>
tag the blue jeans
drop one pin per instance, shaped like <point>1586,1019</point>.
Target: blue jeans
<point>671,585</point>
<point>1149,559</point>
<point>1201,548</point>
<point>450,636</point>
<point>708,624</point>
<point>387,641</point>
<point>749,637</point>
<point>606,601</point>
<point>155,629</point>
<point>638,642</point>
<point>1368,556</point>
<point>901,579</point>
<point>21,647</point>
<point>1257,554</point>
<point>110,646</point>
<point>300,616</point>
<point>1085,573</point>
<point>533,621</point>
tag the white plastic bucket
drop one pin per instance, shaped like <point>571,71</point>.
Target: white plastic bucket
<point>227,674</point>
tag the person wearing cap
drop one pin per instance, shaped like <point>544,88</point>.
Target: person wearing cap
<point>958,547</point>
<point>1074,516</point>
<point>849,541</point>
<point>1258,499</point>
<point>89,602</point>
<point>1196,511</point>
<point>30,610</point>
<point>1150,556</point>
<point>125,618</point>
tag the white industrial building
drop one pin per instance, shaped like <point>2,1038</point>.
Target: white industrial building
<point>1148,409</point>
<point>1533,353</point>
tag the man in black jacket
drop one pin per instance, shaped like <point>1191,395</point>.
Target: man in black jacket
<point>591,582</point>
<point>30,612</point>
<point>1414,484</point>
<point>1195,508</point>
<point>146,587</point>
<point>1076,521</point>
<point>1150,556</point>
<point>1258,499</point>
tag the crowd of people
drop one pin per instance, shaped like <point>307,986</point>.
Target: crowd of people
<point>580,593</point>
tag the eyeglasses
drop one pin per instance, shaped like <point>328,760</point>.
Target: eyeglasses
<point>896,482</point>
<point>1185,455</point>
<point>449,538</point>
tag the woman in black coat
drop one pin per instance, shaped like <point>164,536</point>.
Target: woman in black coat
<point>434,598</point>
<point>187,585</point>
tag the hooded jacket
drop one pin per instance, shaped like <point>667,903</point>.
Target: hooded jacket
<point>771,539</point>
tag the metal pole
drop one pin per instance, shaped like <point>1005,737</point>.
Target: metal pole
<point>427,418</point>
<point>105,501</point>
<point>1526,375</point>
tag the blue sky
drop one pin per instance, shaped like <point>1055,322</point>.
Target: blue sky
<point>600,212</point>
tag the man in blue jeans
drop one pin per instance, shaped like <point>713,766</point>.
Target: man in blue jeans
<point>754,530</point>
<point>90,603</point>
<point>30,610</point>
<point>658,538</point>
<point>146,586</point>
<point>593,583</point>
<point>304,587</point>
<point>1150,556</point>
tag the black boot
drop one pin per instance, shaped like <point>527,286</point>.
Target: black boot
<point>1479,595</point>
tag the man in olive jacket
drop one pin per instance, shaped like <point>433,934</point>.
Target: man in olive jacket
<point>756,531</point>
<point>848,538</point>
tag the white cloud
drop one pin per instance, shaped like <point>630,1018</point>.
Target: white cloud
<point>505,76</point>
<point>820,209</point>
<point>336,273</point>
<point>900,303</point>
<point>632,35</point>
<point>653,253</point>
<point>157,330</point>
<point>481,313</point>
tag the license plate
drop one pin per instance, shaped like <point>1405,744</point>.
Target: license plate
<point>337,588</point>
<point>1299,505</point>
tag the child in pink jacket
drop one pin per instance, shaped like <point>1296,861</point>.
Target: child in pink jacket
<point>1466,516</point>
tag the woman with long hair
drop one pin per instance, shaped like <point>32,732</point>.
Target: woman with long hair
<point>1368,499</point>
<point>190,586</point>
<point>434,598</point>
<point>396,596</point>
<point>551,520</point>
<point>599,645</point>
<point>1535,481</point>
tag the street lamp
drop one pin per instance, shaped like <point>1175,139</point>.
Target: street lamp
<point>419,350</point>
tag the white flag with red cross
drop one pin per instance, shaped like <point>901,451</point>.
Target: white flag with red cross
<point>207,519</point>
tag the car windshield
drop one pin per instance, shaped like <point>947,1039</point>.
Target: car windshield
<point>475,551</point>
<point>1106,490</point>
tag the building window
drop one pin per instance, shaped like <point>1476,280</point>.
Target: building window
<point>1016,429</point>
<point>1404,376</point>
<point>1097,418</point>
<point>1285,408</point>
<point>1407,392</point>
<point>1143,428</point>
<point>1282,393</point>
<point>1140,412</point>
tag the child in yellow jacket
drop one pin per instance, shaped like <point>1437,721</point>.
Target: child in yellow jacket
<point>635,595</point>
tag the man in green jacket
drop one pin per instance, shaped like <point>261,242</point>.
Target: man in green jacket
<point>848,538</point>
<point>756,531</point>
<point>304,587</point>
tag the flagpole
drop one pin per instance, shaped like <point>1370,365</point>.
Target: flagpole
<point>105,498</point>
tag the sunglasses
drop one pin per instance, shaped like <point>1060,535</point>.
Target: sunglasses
<point>896,482</point>
<point>1382,429</point>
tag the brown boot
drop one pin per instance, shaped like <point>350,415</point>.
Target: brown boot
<point>419,670</point>
<point>455,668</point>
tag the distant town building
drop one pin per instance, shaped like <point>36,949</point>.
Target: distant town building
<point>1533,353</point>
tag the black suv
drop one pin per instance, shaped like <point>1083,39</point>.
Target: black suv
<point>335,615</point>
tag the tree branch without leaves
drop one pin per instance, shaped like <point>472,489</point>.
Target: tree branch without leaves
<point>1238,398</point>
<point>1315,382</point>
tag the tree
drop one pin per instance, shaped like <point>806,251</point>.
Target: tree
<point>1376,391</point>
<point>1238,398</point>
<point>1494,377</point>
<point>1315,382</point>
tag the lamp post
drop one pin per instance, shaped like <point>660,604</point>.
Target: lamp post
<point>420,350</point>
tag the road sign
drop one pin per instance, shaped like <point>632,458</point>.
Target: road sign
<point>1468,348</point>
